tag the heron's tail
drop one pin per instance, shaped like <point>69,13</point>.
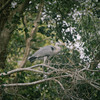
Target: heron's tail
<point>31,59</point>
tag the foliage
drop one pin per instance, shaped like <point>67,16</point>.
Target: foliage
<point>61,20</point>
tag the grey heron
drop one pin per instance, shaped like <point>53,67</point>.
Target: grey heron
<point>46,51</point>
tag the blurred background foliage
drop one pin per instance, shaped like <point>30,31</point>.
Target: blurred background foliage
<point>70,21</point>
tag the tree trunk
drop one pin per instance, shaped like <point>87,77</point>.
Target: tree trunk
<point>4,40</point>
<point>7,27</point>
<point>4,34</point>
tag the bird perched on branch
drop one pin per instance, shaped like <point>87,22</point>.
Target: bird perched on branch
<point>46,52</point>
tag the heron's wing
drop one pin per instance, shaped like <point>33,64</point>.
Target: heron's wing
<point>44,51</point>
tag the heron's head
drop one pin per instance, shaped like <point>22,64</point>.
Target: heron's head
<point>58,46</point>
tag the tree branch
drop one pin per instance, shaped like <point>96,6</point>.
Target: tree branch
<point>33,70</point>
<point>28,41</point>
<point>36,82</point>
<point>43,65</point>
<point>21,69</point>
<point>24,21</point>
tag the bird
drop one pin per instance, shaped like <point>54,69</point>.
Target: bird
<point>45,52</point>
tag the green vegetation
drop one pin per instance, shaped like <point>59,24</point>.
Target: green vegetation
<point>27,25</point>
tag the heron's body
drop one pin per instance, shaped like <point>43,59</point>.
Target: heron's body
<point>45,52</point>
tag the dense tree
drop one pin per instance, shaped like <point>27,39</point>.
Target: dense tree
<point>27,25</point>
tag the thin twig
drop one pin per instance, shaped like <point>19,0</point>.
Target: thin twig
<point>59,84</point>
<point>95,86</point>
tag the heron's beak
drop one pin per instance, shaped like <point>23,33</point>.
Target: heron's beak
<point>63,44</point>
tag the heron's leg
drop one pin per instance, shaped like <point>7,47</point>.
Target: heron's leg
<point>48,60</point>
<point>45,62</point>
<point>45,59</point>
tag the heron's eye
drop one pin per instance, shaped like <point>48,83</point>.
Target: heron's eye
<point>52,48</point>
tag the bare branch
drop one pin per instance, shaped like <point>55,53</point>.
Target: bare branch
<point>54,69</point>
<point>33,70</point>
<point>92,83</point>
<point>21,69</point>
<point>43,65</point>
<point>95,86</point>
<point>94,70</point>
<point>70,61</point>
<point>36,82</point>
